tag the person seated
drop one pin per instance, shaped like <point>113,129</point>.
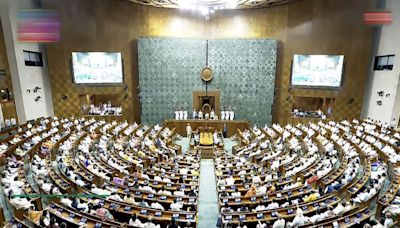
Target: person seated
<point>20,203</point>
<point>173,224</point>
<point>236,193</point>
<point>388,220</point>
<point>339,209</point>
<point>256,179</point>
<point>150,224</point>
<point>129,199</point>
<point>44,220</point>
<point>147,188</point>
<point>299,219</point>
<point>192,193</point>
<point>66,201</point>
<point>272,189</point>
<point>230,181</point>
<point>179,192</point>
<point>262,190</point>
<point>99,191</point>
<point>183,171</point>
<point>251,192</point>
<point>162,191</point>
<point>103,213</point>
<point>221,182</point>
<point>78,205</point>
<point>272,205</point>
<point>55,191</point>
<point>143,204</point>
<point>157,205</point>
<point>176,206</point>
<point>226,208</point>
<point>280,223</point>
<point>54,223</point>
<point>79,181</point>
<point>34,215</point>
<point>115,196</point>
<point>46,186</point>
<point>134,221</point>
<point>311,197</point>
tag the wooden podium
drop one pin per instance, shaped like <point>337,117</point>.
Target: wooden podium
<point>231,125</point>
<point>206,101</point>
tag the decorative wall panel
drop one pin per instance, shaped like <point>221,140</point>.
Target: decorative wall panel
<point>244,72</point>
<point>169,70</point>
<point>302,27</point>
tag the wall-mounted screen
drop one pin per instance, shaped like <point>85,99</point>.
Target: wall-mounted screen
<point>97,68</point>
<point>317,70</point>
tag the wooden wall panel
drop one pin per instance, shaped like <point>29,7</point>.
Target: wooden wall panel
<point>309,26</point>
<point>5,81</point>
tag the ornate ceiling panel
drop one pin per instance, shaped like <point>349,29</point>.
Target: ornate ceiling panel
<point>241,4</point>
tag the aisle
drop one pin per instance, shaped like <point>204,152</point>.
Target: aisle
<point>208,204</point>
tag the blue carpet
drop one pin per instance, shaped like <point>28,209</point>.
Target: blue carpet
<point>184,143</point>
<point>228,144</point>
<point>208,203</point>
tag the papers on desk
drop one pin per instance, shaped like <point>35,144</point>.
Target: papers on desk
<point>143,212</point>
<point>82,221</point>
<point>158,214</point>
<point>346,220</point>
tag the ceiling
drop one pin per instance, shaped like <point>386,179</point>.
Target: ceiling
<point>241,4</point>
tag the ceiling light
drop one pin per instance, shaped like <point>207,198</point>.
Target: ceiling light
<point>205,7</point>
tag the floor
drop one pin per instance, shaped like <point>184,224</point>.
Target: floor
<point>208,202</point>
<point>208,209</point>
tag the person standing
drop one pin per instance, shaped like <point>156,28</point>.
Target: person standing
<point>188,130</point>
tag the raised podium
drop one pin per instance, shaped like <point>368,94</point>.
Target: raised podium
<point>219,125</point>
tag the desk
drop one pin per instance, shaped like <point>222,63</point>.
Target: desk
<point>231,125</point>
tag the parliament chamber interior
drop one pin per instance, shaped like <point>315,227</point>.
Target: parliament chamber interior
<point>199,113</point>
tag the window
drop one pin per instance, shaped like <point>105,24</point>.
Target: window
<point>384,62</point>
<point>33,58</point>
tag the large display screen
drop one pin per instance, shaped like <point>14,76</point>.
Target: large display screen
<point>97,67</point>
<point>317,70</point>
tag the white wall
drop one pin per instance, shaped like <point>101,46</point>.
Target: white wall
<point>25,77</point>
<point>387,81</point>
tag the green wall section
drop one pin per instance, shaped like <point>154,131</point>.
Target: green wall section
<point>244,72</point>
